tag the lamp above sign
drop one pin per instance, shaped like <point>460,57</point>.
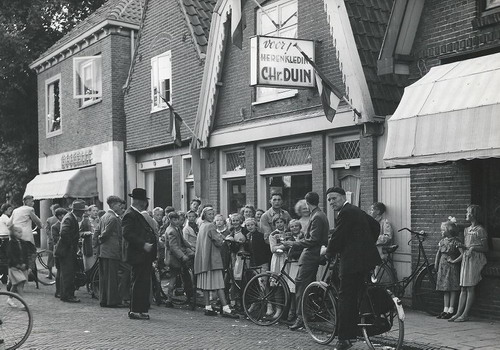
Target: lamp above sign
<point>276,62</point>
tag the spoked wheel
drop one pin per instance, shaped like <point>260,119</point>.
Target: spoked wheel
<point>425,293</point>
<point>16,320</point>
<point>265,299</point>
<point>391,339</point>
<point>319,312</point>
<point>44,263</point>
<point>384,275</point>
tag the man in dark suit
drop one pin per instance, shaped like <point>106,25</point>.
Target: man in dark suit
<point>109,251</point>
<point>56,233</point>
<point>354,239</point>
<point>140,251</point>
<point>315,236</point>
<point>67,249</point>
<point>50,241</point>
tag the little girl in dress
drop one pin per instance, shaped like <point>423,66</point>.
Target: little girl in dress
<point>295,228</point>
<point>447,261</point>
<point>473,261</point>
<point>276,239</point>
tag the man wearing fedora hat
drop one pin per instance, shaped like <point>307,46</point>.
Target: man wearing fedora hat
<point>139,250</point>
<point>67,249</point>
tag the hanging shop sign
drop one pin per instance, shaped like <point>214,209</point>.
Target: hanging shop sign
<point>276,62</point>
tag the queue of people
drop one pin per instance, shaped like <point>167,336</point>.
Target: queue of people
<point>128,242</point>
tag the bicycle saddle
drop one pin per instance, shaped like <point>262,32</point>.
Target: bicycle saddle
<point>390,248</point>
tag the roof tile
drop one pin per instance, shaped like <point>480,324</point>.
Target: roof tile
<point>369,20</point>
<point>198,15</point>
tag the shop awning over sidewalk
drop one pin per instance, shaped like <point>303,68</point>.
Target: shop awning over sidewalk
<point>76,183</point>
<point>452,113</point>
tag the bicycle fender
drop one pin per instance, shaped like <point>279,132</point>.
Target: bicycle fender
<point>399,305</point>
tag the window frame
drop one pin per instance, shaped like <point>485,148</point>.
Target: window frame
<point>49,82</point>
<point>156,81</point>
<point>279,93</point>
<point>80,64</point>
<point>226,176</point>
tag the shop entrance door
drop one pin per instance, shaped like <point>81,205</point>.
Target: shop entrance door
<point>394,192</point>
<point>162,188</point>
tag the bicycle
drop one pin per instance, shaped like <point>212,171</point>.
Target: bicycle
<point>42,268</point>
<point>264,289</point>
<point>424,274</point>
<point>247,274</point>
<point>16,322</point>
<point>381,315</point>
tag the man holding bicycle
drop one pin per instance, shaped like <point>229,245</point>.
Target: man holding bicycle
<point>354,240</point>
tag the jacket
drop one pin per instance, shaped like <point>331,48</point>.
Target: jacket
<point>354,239</point>
<point>180,250</point>
<point>136,232</point>
<point>315,237</point>
<point>67,246</point>
<point>208,256</point>
<point>109,237</point>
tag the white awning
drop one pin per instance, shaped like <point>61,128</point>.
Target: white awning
<point>452,113</point>
<point>76,183</point>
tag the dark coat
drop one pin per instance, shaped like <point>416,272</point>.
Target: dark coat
<point>136,232</point>
<point>259,249</point>
<point>315,237</point>
<point>180,250</point>
<point>67,245</point>
<point>354,239</point>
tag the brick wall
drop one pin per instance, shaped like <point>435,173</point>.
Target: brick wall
<point>177,182</point>
<point>368,170</point>
<point>251,170</point>
<point>165,29</point>
<point>236,95</point>
<point>319,161</point>
<point>93,124</point>
<point>446,29</point>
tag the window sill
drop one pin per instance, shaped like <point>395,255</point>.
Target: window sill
<point>273,98</point>
<point>90,103</point>
<point>53,133</point>
<point>158,109</point>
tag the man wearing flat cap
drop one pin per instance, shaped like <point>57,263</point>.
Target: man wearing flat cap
<point>139,251</point>
<point>67,248</point>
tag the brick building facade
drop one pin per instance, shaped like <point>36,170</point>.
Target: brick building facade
<point>168,64</point>
<point>81,140</point>
<point>242,128</point>
<point>448,166</point>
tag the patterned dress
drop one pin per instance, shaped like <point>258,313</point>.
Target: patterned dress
<point>473,263</point>
<point>448,274</point>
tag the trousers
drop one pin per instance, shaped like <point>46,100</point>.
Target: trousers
<point>305,276</point>
<point>351,288</point>
<point>141,287</point>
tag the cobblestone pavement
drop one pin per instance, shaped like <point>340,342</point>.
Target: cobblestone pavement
<point>85,325</point>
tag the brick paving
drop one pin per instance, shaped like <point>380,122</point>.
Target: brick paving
<point>59,325</point>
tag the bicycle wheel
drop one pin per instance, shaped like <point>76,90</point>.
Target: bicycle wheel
<point>16,320</point>
<point>44,259</point>
<point>384,275</point>
<point>385,330</point>
<point>427,297</point>
<point>319,312</point>
<point>265,298</point>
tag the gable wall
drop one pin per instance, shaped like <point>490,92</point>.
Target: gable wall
<point>164,19</point>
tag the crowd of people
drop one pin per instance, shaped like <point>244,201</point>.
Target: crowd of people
<point>128,243</point>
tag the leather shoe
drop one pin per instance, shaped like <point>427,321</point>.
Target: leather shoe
<point>343,345</point>
<point>71,300</point>
<point>298,324</point>
<point>447,316</point>
<point>138,316</point>
<point>210,312</point>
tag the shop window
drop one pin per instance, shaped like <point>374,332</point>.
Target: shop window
<point>488,13</point>
<point>161,81</point>
<point>233,181</point>
<point>288,155</point>
<point>87,79</point>
<point>292,187</point>
<point>236,195</point>
<point>53,105</point>
<point>284,15</point>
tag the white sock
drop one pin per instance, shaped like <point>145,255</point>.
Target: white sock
<point>451,310</point>
<point>445,309</point>
<point>208,307</point>
<point>226,308</point>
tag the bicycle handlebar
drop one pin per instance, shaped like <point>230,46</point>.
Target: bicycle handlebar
<point>421,234</point>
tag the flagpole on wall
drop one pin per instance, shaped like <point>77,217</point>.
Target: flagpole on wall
<point>182,120</point>
<point>336,91</point>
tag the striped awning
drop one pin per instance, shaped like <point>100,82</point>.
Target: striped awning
<point>75,183</point>
<point>452,113</point>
